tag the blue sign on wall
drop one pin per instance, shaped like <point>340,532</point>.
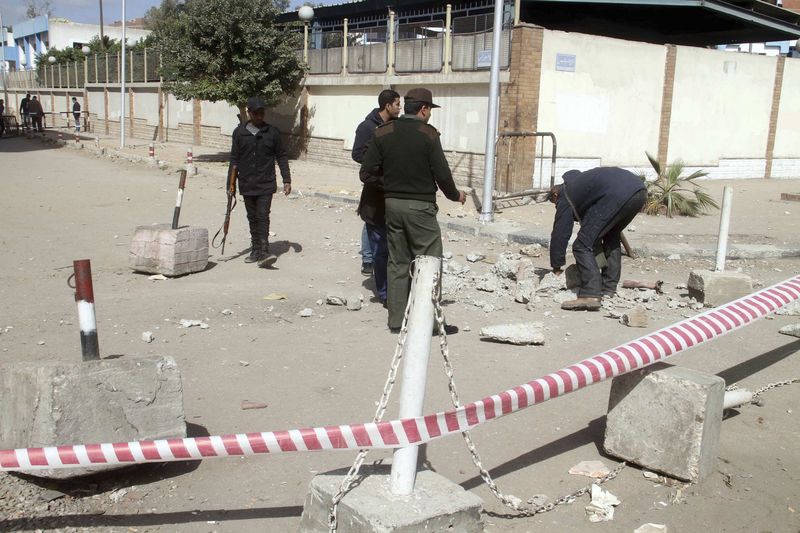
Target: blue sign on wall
<point>565,62</point>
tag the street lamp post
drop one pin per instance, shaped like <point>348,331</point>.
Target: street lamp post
<point>86,51</point>
<point>306,13</point>
<point>122,86</point>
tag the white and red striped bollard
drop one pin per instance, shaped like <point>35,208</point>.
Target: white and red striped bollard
<point>96,141</point>
<point>60,136</point>
<point>77,139</point>
<point>190,170</point>
<point>84,295</point>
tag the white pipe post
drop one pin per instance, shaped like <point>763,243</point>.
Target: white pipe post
<point>416,352</point>
<point>724,224</point>
<point>122,86</point>
<point>737,397</point>
<point>491,120</point>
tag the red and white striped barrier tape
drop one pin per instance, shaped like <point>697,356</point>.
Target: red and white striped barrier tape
<point>633,355</point>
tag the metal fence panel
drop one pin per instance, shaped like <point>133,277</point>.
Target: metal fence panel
<point>367,58</point>
<point>419,55</point>
<point>138,67</point>
<point>474,51</point>
<point>152,67</point>
<point>113,74</point>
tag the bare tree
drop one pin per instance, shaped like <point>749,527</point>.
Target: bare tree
<point>37,8</point>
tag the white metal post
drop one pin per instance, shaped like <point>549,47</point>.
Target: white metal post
<point>416,352</point>
<point>122,86</point>
<point>724,225</point>
<point>491,120</point>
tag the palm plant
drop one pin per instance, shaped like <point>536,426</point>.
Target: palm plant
<point>672,194</point>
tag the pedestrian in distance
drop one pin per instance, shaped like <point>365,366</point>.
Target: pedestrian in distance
<point>76,114</point>
<point>23,111</point>
<point>604,201</point>
<point>2,117</point>
<point>409,154</point>
<point>36,113</point>
<point>371,206</point>
<point>255,149</point>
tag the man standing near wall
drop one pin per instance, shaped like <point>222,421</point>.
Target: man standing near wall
<point>76,114</point>
<point>255,148</point>
<point>409,153</point>
<point>23,111</point>
<point>371,208</point>
<point>36,113</point>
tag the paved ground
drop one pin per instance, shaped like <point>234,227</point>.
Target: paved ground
<point>59,205</point>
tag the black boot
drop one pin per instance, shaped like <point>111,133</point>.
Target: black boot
<point>267,259</point>
<point>255,253</point>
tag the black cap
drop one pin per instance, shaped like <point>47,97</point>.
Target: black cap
<point>254,103</point>
<point>420,95</point>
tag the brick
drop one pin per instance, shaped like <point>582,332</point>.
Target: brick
<point>666,418</point>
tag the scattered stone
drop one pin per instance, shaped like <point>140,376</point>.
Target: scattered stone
<point>674,257</point>
<point>354,302</point>
<point>538,500</point>
<point>246,405</point>
<point>595,469</point>
<point>793,309</point>
<point>474,257</point>
<point>40,343</point>
<point>451,284</point>
<point>274,296</point>
<point>487,283</point>
<point>244,363</point>
<point>336,298</point>
<point>226,312</point>
<point>551,283</point>
<point>447,255</point>
<point>532,250</point>
<point>520,334</point>
<point>507,265</point>
<point>148,336</point>
<point>117,495</point>
<point>157,277</point>
<point>564,296</point>
<point>525,290</point>
<point>792,330</point>
<point>455,268</point>
<point>651,528</point>
<point>307,312</point>
<point>601,509</point>
<point>192,323</point>
<point>635,318</point>
<point>50,495</point>
<point>453,236</point>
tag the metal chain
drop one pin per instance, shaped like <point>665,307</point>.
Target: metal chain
<point>352,474</point>
<point>510,501</point>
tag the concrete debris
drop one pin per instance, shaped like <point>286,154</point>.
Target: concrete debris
<point>453,236</point>
<point>552,283</point>
<point>564,296</point>
<point>451,284</point>
<point>226,312</point>
<point>674,257</point>
<point>792,309</point>
<point>507,265</point>
<point>651,528</point>
<point>455,268</point>
<point>602,507</point>
<point>157,277</point>
<point>274,296</point>
<point>538,500</point>
<point>117,495</point>
<point>519,334</point>
<point>447,255</point>
<point>307,312</point>
<point>185,323</point>
<point>635,318</point>
<point>148,336</point>
<point>336,298</point>
<point>595,469</point>
<point>532,250</point>
<point>792,330</point>
<point>246,405</point>
<point>486,283</point>
<point>474,257</point>
<point>354,301</point>
<point>525,290</point>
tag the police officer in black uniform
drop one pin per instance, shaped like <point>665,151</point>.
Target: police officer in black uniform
<point>255,149</point>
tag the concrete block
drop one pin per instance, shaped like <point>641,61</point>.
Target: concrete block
<point>717,288</point>
<point>159,249</point>
<point>111,400</point>
<point>635,318</point>
<point>667,419</point>
<point>436,504</point>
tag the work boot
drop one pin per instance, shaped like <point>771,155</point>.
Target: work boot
<point>582,304</point>
<point>255,253</point>
<point>267,259</point>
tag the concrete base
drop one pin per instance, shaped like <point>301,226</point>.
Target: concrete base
<point>111,400</point>
<point>159,249</point>
<point>717,288</point>
<point>435,505</point>
<point>666,418</point>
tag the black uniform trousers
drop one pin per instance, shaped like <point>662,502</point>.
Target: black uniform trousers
<point>258,208</point>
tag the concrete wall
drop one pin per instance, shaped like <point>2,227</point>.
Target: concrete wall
<point>63,34</point>
<point>609,106</point>
<point>721,106</point>
<point>787,136</point>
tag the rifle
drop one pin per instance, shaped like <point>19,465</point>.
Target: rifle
<point>231,206</point>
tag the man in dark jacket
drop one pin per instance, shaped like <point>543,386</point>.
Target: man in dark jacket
<point>255,148</point>
<point>36,113</point>
<point>409,153</point>
<point>23,111</point>
<point>371,209</point>
<point>604,201</point>
<point>76,114</point>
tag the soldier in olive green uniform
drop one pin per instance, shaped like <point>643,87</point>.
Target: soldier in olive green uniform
<point>413,165</point>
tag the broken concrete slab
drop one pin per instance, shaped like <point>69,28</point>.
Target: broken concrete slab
<point>717,288</point>
<point>336,298</point>
<point>791,330</point>
<point>635,318</point>
<point>525,290</point>
<point>354,301</point>
<point>520,334</point>
<point>564,296</point>
<point>474,257</point>
<point>552,283</point>
<point>111,400</point>
<point>667,419</point>
<point>436,504</point>
<point>159,249</point>
<point>532,250</point>
<point>793,309</point>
